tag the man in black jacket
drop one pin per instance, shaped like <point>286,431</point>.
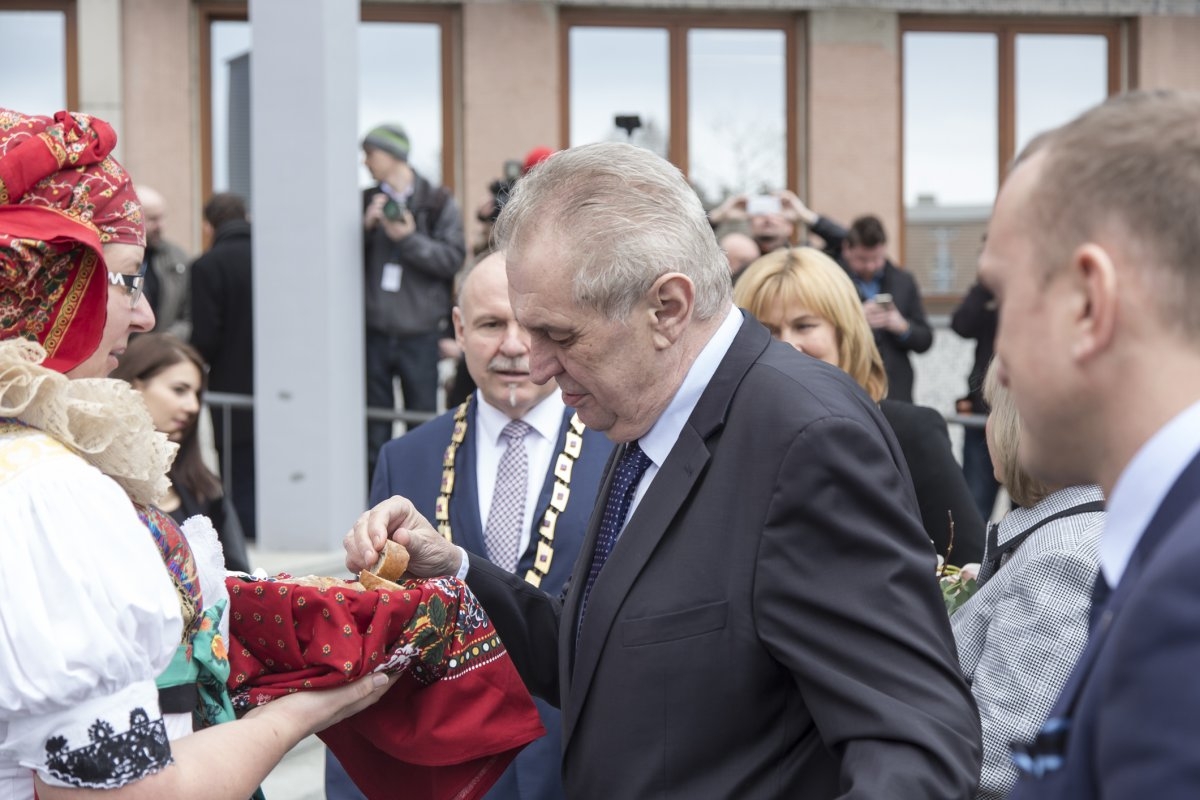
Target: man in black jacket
<point>223,331</point>
<point>413,246</point>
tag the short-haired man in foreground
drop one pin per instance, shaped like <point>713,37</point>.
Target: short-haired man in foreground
<point>1092,254</point>
<point>754,613</point>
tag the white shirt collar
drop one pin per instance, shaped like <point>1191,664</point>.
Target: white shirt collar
<point>1143,485</point>
<point>659,440</point>
<point>545,418</point>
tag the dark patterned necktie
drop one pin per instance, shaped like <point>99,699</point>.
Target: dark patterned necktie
<point>1100,592</point>
<point>503,533</point>
<point>630,469</point>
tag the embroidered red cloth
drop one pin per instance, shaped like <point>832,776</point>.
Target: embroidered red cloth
<point>445,731</point>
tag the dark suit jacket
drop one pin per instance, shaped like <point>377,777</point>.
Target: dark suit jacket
<point>1133,700</point>
<point>223,321</point>
<point>938,480</point>
<point>767,626</point>
<point>412,466</point>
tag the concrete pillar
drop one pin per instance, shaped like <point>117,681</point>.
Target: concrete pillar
<point>854,116</point>
<point>162,123</point>
<point>510,88</point>
<point>98,23</point>
<point>309,397</point>
<point>1169,53</point>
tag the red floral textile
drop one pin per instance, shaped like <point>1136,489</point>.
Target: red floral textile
<point>61,199</point>
<point>446,730</point>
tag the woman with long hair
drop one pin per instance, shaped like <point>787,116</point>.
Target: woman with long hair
<point>806,300</point>
<point>1021,632</point>
<point>101,595</point>
<point>172,379</point>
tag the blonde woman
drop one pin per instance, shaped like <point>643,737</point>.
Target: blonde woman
<point>1020,634</point>
<point>806,300</point>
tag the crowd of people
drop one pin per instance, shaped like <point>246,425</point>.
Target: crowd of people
<point>687,482</point>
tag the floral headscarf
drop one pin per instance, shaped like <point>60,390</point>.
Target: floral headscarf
<point>62,197</point>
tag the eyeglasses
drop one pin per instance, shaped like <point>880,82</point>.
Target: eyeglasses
<point>134,284</point>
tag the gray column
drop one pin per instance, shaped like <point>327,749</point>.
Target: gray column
<point>308,307</point>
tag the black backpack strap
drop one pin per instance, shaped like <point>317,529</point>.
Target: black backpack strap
<point>996,554</point>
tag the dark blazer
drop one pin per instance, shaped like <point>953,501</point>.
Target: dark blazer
<point>938,480</point>
<point>1132,702</point>
<point>223,320</point>
<point>767,625</point>
<point>412,466</point>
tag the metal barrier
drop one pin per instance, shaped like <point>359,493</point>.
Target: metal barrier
<point>224,404</point>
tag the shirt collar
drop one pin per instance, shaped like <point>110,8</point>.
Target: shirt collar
<point>659,440</point>
<point>545,417</point>
<point>1142,487</point>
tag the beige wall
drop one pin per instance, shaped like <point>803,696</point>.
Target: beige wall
<point>510,92</point>
<point>854,115</point>
<point>160,136</point>
<point>1169,53</point>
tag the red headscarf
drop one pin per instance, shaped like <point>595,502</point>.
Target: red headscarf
<point>62,197</point>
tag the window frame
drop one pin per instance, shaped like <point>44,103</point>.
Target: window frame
<point>447,17</point>
<point>1119,38</point>
<point>70,44</point>
<point>678,25</point>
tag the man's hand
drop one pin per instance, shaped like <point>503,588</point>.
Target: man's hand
<point>396,518</point>
<point>794,209</point>
<point>885,317</point>
<point>374,213</point>
<point>402,228</point>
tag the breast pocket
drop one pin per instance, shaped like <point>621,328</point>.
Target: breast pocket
<point>674,626</point>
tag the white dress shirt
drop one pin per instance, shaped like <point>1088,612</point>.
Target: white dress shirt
<point>545,420</point>
<point>1142,487</point>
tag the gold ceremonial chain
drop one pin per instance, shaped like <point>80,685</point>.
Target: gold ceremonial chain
<point>563,465</point>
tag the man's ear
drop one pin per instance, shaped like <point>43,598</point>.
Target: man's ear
<point>1094,276</point>
<point>671,302</point>
<point>457,317</point>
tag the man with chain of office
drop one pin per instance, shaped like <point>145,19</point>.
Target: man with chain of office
<point>510,475</point>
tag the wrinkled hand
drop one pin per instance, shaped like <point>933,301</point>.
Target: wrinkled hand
<point>316,710</point>
<point>396,518</point>
<point>886,318</point>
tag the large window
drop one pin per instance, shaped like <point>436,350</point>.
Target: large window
<point>38,76</point>
<point>975,93</point>
<point>714,94</point>
<point>402,78</point>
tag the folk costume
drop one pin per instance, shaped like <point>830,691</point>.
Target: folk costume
<point>89,617</point>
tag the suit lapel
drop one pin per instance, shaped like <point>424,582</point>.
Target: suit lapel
<point>650,522</point>
<point>1179,499</point>
<point>465,521</point>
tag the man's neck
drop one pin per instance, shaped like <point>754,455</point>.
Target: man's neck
<point>400,178</point>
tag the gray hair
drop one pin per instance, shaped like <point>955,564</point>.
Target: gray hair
<point>621,217</point>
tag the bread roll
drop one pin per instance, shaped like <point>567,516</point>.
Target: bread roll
<point>392,563</point>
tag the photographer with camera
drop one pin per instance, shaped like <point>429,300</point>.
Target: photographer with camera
<point>413,246</point>
<point>499,191</point>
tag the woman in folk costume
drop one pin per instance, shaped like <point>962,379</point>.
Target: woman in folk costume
<point>89,616</point>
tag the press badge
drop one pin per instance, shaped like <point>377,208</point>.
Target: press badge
<point>391,277</point>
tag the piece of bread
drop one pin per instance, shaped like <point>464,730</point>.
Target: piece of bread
<point>392,563</point>
<point>371,581</point>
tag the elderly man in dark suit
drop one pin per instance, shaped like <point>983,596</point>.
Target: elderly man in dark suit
<point>1092,255</point>
<point>753,614</point>
<point>457,468</point>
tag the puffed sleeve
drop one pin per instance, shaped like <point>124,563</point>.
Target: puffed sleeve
<point>88,619</point>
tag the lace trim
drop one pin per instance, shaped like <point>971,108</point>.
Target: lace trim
<point>105,421</point>
<point>111,759</point>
